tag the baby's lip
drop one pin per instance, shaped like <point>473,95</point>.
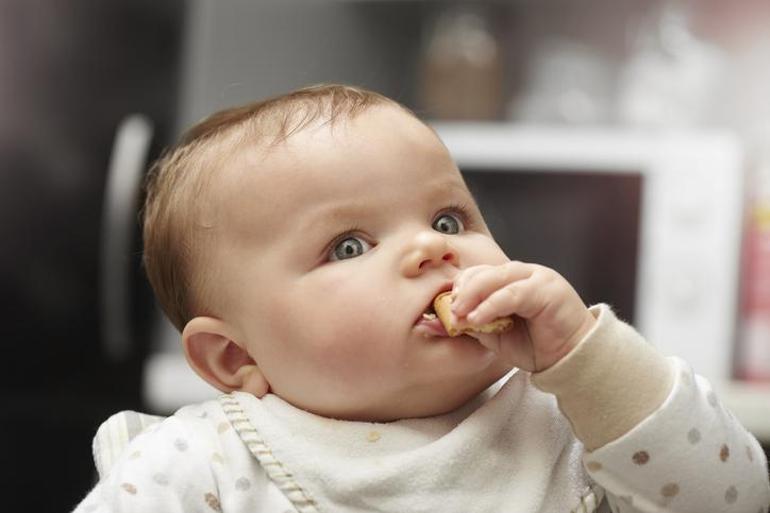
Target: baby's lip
<point>431,327</point>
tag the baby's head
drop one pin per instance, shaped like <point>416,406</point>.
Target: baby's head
<point>296,242</point>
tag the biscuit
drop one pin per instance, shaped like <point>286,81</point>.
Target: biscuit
<point>443,305</point>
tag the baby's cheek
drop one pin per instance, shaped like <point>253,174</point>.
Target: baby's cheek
<point>483,250</point>
<point>345,340</point>
<point>350,349</point>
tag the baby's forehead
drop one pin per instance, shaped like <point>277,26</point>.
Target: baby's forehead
<point>270,144</point>
<point>371,146</point>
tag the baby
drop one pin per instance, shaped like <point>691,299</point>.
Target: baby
<point>298,244</point>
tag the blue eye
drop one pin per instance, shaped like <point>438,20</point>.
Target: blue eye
<point>350,247</point>
<point>448,223</point>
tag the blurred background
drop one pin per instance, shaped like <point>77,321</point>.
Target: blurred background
<point>91,90</point>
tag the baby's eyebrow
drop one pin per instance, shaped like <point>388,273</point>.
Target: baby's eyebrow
<point>327,221</point>
<point>355,212</point>
<point>449,192</point>
<point>343,213</point>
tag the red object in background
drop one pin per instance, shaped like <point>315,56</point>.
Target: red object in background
<point>754,359</point>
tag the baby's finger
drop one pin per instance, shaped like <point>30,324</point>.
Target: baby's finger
<point>522,298</point>
<point>466,275</point>
<point>485,282</point>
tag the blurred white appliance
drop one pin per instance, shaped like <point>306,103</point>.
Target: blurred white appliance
<point>649,222</point>
<point>654,217</point>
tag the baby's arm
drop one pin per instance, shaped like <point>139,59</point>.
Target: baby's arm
<point>191,462</point>
<point>656,435</point>
<point>164,469</point>
<point>687,453</point>
<point>551,320</point>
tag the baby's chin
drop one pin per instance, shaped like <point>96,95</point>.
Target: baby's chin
<point>428,401</point>
<point>468,396</point>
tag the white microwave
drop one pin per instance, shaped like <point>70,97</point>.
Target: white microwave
<point>647,221</point>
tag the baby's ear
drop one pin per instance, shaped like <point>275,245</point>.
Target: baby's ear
<point>218,357</point>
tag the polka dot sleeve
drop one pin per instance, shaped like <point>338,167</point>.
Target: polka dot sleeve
<point>165,468</point>
<point>191,462</point>
<point>690,455</point>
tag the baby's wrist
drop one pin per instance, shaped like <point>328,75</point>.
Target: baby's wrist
<point>581,332</point>
<point>612,374</point>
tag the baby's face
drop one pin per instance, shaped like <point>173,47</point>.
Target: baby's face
<point>332,245</point>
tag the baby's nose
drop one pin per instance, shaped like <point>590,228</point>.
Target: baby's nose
<point>428,249</point>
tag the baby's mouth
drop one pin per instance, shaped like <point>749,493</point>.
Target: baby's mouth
<point>429,324</point>
<point>429,314</point>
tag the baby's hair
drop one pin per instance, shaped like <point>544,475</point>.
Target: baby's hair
<point>177,182</point>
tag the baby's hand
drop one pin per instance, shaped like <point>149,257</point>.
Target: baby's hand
<point>549,316</point>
